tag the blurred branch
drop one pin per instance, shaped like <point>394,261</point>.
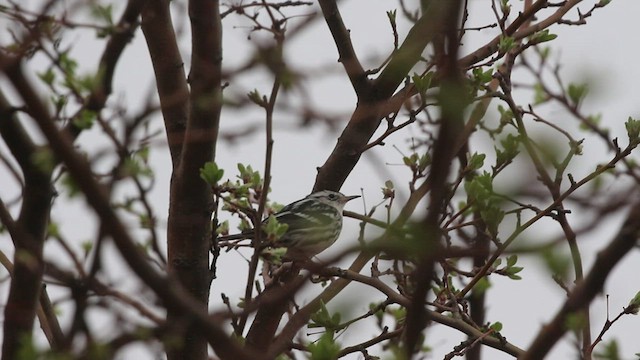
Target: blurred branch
<point>452,105</point>
<point>45,312</point>
<point>121,36</point>
<point>29,231</point>
<point>593,284</point>
<point>171,292</point>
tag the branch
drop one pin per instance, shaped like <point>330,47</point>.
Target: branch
<point>366,117</point>
<point>44,310</point>
<point>191,203</point>
<point>619,156</point>
<point>513,30</point>
<point>121,36</point>
<point>592,285</point>
<point>28,240</point>
<point>170,292</point>
<point>168,68</point>
<point>342,38</point>
<point>300,318</point>
<point>452,107</point>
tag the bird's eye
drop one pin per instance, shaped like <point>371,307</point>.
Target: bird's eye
<point>332,197</point>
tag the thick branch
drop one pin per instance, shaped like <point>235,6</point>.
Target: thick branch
<point>169,72</point>
<point>26,282</point>
<point>190,204</point>
<point>366,117</point>
<point>342,38</point>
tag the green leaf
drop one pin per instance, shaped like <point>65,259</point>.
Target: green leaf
<point>257,98</point>
<point>43,159</point>
<point>633,130</point>
<point>70,185</point>
<point>496,326</point>
<point>592,121</point>
<point>322,318</point>
<point>609,351</point>
<point>53,230</point>
<point>67,64</point>
<point>492,216</point>
<point>482,285</point>
<point>506,116</point>
<point>391,14</point>
<point>223,228</point>
<point>557,262</point>
<point>48,77</point>
<point>512,271</point>
<point>539,94</point>
<point>424,161</point>
<point>325,348</point>
<point>211,174</point>
<point>103,12</point>
<point>274,229</point>
<point>634,305</point>
<point>422,83</point>
<point>577,92</point>
<point>387,190</point>
<point>244,225</point>
<point>510,149</point>
<point>85,119</point>
<point>87,246</point>
<point>541,36</point>
<point>476,161</point>
<point>575,322</point>
<point>482,77</point>
<point>506,43</point>
<point>134,167</point>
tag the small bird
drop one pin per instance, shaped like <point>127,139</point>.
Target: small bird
<point>314,223</point>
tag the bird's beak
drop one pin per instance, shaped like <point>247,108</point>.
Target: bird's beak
<point>349,198</point>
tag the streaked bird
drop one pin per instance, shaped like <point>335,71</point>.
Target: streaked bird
<point>314,223</point>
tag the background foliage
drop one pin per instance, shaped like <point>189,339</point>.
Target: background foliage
<point>478,161</point>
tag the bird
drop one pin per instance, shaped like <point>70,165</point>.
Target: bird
<point>313,223</point>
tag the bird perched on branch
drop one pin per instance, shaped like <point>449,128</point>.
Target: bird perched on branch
<point>313,223</point>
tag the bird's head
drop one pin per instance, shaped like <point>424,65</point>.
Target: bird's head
<point>332,198</point>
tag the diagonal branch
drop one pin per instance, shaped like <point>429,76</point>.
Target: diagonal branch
<point>119,39</point>
<point>342,38</point>
<point>592,285</point>
<point>366,117</point>
<point>302,316</point>
<point>514,30</point>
